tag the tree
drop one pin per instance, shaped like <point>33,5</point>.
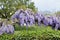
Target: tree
<point>31,6</point>
<point>8,7</point>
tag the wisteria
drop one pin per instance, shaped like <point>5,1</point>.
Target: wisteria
<point>28,18</point>
<point>6,28</point>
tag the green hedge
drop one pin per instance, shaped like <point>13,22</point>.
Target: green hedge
<point>32,33</point>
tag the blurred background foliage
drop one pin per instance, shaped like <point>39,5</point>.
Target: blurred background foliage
<point>8,7</point>
<point>57,14</point>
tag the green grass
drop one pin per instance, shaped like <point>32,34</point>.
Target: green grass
<point>32,33</point>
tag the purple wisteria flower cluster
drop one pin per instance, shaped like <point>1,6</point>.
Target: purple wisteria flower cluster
<point>6,28</point>
<point>28,18</point>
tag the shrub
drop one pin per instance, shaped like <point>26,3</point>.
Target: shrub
<point>32,33</point>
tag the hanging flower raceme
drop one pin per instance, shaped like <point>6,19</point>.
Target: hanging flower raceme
<point>6,28</point>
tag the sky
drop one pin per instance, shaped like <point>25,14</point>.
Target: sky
<point>47,5</point>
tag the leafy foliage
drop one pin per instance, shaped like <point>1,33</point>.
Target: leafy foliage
<point>8,7</point>
<point>37,33</point>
